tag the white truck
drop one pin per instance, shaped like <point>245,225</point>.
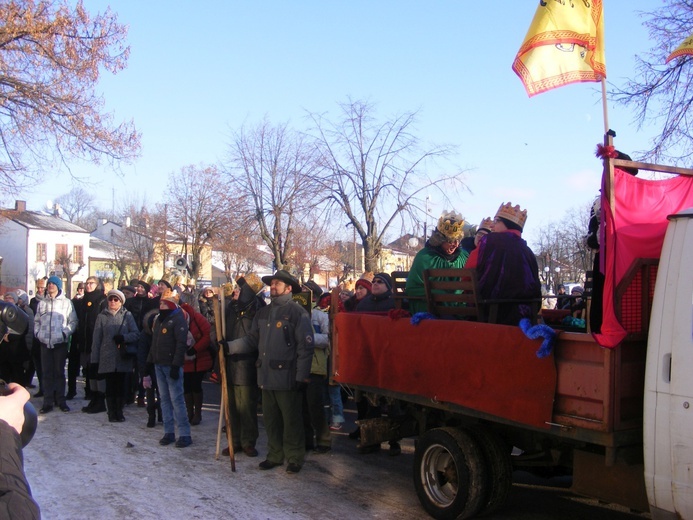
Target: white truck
<point>473,393</point>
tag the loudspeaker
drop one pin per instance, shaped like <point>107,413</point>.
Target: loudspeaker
<point>181,263</point>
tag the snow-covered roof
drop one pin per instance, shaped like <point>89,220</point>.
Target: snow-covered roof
<point>43,221</point>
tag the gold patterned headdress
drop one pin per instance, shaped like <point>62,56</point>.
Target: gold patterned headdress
<point>513,214</point>
<point>451,225</point>
<point>486,225</point>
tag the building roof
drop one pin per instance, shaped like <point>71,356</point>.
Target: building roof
<point>100,248</point>
<point>42,221</point>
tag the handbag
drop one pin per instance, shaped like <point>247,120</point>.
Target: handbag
<point>127,350</point>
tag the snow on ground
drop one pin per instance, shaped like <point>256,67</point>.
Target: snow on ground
<point>81,466</point>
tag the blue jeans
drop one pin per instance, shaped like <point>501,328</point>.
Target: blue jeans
<point>172,401</point>
<point>335,392</point>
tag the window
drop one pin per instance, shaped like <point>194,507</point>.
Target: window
<point>60,252</point>
<point>41,252</point>
<point>77,254</point>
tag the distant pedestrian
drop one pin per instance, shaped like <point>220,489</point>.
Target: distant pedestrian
<point>166,358</point>
<point>54,323</point>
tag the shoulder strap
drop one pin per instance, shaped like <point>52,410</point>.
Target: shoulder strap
<point>120,329</point>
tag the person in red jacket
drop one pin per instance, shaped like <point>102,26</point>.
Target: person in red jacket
<point>198,361</point>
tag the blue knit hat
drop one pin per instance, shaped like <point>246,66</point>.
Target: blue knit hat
<point>56,281</point>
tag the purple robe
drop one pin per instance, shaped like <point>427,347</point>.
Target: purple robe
<point>507,269</point>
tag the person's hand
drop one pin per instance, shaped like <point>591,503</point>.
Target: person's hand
<point>191,352</point>
<point>146,382</point>
<point>119,339</point>
<point>175,372</point>
<point>301,385</point>
<point>12,406</point>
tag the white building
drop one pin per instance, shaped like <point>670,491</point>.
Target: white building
<point>32,241</point>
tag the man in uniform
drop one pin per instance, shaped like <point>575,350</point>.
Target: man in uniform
<point>283,336</point>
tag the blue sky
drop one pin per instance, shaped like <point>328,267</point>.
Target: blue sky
<point>199,70</point>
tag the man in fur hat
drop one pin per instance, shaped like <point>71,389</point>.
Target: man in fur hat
<point>241,372</point>
<point>283,336</point>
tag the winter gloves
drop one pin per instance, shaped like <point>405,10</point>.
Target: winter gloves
<point>119,339</point>
<point>175,372</point>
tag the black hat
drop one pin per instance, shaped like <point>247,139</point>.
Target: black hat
<point>315,289</point>
<point>144,284</point>
<point>385,278</point>
<point>626,157</point>
<point>166,283</point>
<point>285,277</point>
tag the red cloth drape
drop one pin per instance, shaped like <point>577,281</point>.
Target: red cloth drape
<point>634,230</point>
<point>489,368</point>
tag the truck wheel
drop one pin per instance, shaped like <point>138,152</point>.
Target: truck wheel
<point>500,468</point>
<point>449,474</point>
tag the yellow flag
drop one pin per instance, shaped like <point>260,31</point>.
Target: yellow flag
<point>564,44</point>
<point>686,47</point>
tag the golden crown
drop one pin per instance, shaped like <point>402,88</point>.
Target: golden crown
<point>486,224</point>
<point>513,214</point>
<point>451,225</point>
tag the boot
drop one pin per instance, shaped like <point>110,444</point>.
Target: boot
<point>111,408</point>
<point>197,409</point>
<point>189,405</point>
<point>99,403</point>
<point>151,422</point>
<point>89,406</point>
<point>119,403</point>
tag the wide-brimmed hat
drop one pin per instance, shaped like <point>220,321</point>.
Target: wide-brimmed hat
<point>286,277</point>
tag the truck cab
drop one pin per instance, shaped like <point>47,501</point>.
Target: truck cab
<point>668,401</point>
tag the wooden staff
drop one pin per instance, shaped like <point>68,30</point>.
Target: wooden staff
<point>217,306</point>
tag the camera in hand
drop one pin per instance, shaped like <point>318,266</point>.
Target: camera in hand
<point>30,417</point>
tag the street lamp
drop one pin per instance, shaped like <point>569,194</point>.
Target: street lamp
<point>547,271</point>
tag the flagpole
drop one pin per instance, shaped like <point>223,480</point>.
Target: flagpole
<point>604,108</point>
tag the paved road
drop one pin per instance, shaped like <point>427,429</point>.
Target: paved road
<point>531,497</point>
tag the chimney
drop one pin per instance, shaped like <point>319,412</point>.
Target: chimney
<point>20,205</point>
<point>57,210</point>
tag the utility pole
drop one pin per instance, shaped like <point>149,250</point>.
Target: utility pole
<point>165,253</point>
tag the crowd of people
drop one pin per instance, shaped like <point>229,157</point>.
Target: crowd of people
<point>142,343</point>
<point>154,344</point>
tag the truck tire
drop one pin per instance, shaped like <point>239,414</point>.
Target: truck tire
<point>500,468</point>
<point>450,474</point>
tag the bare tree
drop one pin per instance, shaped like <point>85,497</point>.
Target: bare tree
<point>198,208</point>
<point>375,172</point>
<point>273,168</point>
<point>52,53</point>
<point>238,244</point>
<point>561,251</point>
<point>77,205</point>
<point>137,240</point>
<point>660,93</point>
<point>65,261</point>
<point>313,242</point>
